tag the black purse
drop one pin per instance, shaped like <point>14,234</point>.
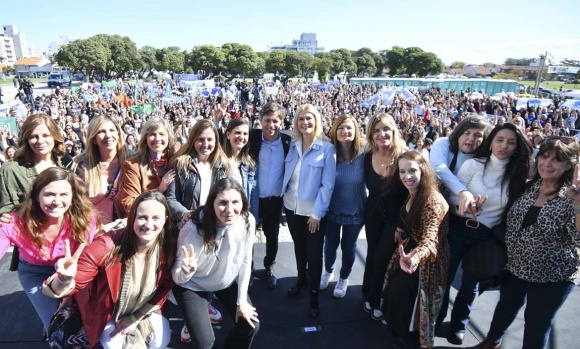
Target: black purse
<point>487,260</point>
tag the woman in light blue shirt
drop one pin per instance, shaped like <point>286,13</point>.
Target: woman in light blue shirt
<point>309,176</point>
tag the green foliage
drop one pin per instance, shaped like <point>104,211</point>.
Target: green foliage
<point>239,58</point>
<point>322,65</point>
<point>365,64</point>
<point>342,61</point>
<point>519,61</point>
<point>276,61</point>
<point>208,58</point>
<point>396,60</point>
<point>457,65</point>
<point>148,57</point>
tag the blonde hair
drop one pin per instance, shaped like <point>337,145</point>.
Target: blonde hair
<point>91,158</point>
<point>357,142</point>
<point>308,108</point>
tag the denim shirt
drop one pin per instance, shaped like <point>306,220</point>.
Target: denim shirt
<point>317,176</point>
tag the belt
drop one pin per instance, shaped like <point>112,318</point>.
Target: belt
<point>470,223</point>
<point>269,198</point>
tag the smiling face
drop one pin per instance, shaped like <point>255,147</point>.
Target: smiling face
<point>107,136</point>
<point>346,131</point>
<point>150,218</point>
<point>40,140</point>
<point>382,135</point>
<point>271,126</point>
<point>470,140</point>
<point>306,124</point>
<point>238,137</point>
<point>227,206</point>
<point>158,140</point>
<point>504,144</point>
<point>55,199</point>
<point>410,174</point>
<point>550,168</point>
<point>205,144</point>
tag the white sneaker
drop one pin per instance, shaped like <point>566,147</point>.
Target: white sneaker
<point>214,315</point>
<point>340,288</point>
<point>377,315</point>
<point>325,279</point>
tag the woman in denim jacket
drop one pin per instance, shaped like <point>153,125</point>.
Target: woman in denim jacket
<point>309,176</point>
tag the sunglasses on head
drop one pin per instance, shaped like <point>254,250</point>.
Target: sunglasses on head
<point>564,139</point>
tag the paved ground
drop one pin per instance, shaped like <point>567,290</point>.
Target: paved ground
<point>284,320</point>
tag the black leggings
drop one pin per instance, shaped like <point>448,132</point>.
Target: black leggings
<point>193,305</point>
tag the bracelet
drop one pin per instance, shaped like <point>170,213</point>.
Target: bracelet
<point>133,318</point>
<point>576,209</point>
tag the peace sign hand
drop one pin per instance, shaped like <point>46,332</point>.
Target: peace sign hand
<point>574,189</point>
<point>408,264</point>
<point>189,264</point>
<point>66,267</point>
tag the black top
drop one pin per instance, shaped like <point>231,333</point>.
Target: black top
<point>531,216</point>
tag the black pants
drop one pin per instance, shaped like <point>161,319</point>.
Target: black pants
<point>380,248</point>
<point>193,305</point>
<point>307,248</point>
<point>270,211</point>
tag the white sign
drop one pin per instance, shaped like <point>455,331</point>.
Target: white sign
<point>559,69</point>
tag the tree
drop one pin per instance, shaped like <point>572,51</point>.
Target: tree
<point>276,61</point>
<point>173,62</point>
<point>424,63</point>
<point>239,58</point>
<point>292,64</point>
<point>259,66</point>
<point>519,61</point>
<point>489,64</point>
<point>342,61</point>
<point>322,67</point>
<point>396,60</point>
<point>457,65</point>
<point>148,57</point>
<point>208,58</point>
<point>124,54</point>
<point>90,56</point>
<point>363,51</point>
<point>365,64</point>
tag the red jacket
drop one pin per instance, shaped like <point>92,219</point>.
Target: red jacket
<point>97,288</point>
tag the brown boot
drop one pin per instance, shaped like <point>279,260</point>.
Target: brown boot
<point>488,344</point>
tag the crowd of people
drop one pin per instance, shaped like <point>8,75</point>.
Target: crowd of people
<point>134,208</point>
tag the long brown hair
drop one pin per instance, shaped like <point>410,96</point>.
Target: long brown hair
<point>205,216</point>
<point>81,212</point>
<point>127,245</point>
<point>149,127</point>
<point>24,154</point>
<point>244,156</point>
<point>397,142</point>
<point>427,186</point>
<point>357,141</point>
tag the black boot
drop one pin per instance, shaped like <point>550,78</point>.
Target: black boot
<point>314,305</point>
<point>271,278</point>
<point>295,289</point>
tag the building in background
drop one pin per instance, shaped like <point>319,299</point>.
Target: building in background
<point>20,42</point>
<point>54,46</point>
<point>307,43</point>
<point>7,50</point>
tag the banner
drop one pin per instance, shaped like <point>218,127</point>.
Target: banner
<point>148,108</point>
<point>560,69</point>
<point>8,123</point>
<point>137,110</point>
<point>109,84</point>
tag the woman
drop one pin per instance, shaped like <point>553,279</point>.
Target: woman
<point>198,165</point>
<point>384,145</point>
<point>542,245</point>
<point>58,210</point>
<point>215,255</point>
<point>100,166</point>
<point>6,141</point>
<point>416,275</point>
<point>237,150</point>
<point>9,153</point>
<point>77,148</point>
<point>420,147</point>
<point>309,175</point>
<point>347,203</point>
<point>496,178</point>
<point>446,157</point>
<point>126,275</point>
<point>149,169</point>
<point>40,146</point>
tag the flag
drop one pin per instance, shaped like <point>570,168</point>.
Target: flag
<point>168,90</point>
<point>135,92</point>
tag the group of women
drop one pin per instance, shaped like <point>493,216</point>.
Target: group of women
<point>202,192</point>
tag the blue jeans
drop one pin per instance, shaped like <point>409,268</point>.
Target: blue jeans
<point>31,277</point>
<point>461,238</point>
<point>332,238</point>
<point>543,302</point>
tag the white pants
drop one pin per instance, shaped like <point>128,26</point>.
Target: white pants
<point>160,338</point>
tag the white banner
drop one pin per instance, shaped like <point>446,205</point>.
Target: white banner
<point>560,69</point>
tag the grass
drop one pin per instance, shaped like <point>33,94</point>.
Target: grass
<point>553,85</point>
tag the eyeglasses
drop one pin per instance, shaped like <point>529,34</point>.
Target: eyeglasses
<point>564,139</point>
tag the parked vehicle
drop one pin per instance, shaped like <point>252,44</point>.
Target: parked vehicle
<point>59,79</point>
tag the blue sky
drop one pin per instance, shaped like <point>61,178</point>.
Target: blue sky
<point>471,31</point>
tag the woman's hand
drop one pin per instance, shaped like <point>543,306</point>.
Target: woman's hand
<point>407,262</point>
<point>166,181</point>
<point>247,312</point>
<point>189,264</point>
<point>66,267</point>
<point>573,190</point>
<point>313,225</point>
<point>6,218</point>
<point>469,204</point>
<point>124,326</point>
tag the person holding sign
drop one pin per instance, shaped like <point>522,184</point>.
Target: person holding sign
<point>215,255</point>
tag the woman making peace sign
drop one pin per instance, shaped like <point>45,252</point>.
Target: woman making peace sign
<point>215,255</point>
